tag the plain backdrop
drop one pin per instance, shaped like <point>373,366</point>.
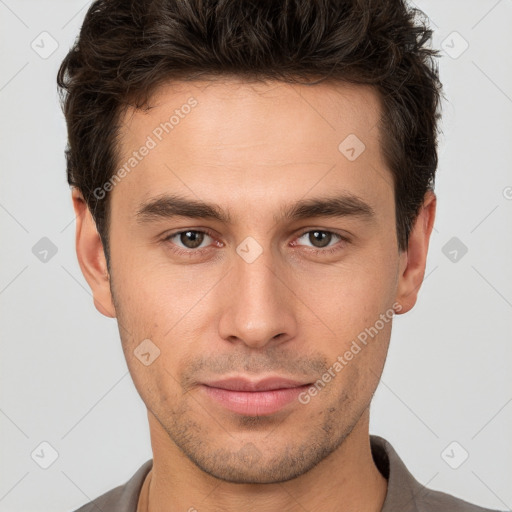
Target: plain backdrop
<point>446,390</point>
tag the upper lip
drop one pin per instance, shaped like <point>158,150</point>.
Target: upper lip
<point>244,384</point>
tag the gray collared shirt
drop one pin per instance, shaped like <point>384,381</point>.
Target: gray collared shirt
<point>404,494</point>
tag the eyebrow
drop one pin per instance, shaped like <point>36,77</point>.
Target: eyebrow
<point>170,206</point>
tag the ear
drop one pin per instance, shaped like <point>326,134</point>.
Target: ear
<point>413,261</point>
<point>91,257</point>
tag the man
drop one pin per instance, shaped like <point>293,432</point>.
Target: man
<point>253,186</point>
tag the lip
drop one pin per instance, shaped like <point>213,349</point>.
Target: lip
<point>244,384</point>
<point>254,398</point>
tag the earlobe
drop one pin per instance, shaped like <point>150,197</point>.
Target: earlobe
<point>413,261</point>
<point>91,256</point>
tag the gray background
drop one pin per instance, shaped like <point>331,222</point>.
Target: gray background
<point>64,380</point>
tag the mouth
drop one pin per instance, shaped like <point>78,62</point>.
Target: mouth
<point>254,398</point>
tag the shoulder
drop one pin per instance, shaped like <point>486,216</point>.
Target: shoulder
<point>436,501</point>
<point>405,493</point>
<point>123,498</point>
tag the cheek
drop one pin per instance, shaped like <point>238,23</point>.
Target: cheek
<point>350,299</point>
<point>351,296</point>
<point>168,306</point>
<point>160,294</point>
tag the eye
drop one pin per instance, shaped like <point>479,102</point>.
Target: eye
<point>193,241</point>
<point>320,239</point>
<point>189,239</point>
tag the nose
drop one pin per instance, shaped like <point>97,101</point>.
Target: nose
<point>257,304</point>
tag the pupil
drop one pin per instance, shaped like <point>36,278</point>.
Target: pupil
<point>320,237</point>
<point>194,239</point>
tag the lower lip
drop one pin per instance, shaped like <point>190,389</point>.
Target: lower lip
<point>254,403</point>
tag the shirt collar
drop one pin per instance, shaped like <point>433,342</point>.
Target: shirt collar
<point>403,488</point>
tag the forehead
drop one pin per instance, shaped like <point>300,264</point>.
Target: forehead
<point>255,141</point>
<point>223,106</point>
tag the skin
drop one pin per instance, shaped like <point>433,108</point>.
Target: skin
<point>252,149</point>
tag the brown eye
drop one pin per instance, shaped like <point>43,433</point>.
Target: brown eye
<point>320,238</point>
<point>321,241</point>
<point>317,238</point>
<point>191,239</point>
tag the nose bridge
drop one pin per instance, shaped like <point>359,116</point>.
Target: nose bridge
<point>258,308</point>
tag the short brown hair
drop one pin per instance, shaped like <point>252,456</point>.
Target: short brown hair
<point>127,48</point>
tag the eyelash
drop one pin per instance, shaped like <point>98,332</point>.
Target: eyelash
<point>194,252</point>
<point>190,253</point>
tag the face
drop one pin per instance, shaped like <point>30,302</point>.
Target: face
<point>254,270</point>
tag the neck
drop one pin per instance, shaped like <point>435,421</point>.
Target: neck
<point>346,480</point>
